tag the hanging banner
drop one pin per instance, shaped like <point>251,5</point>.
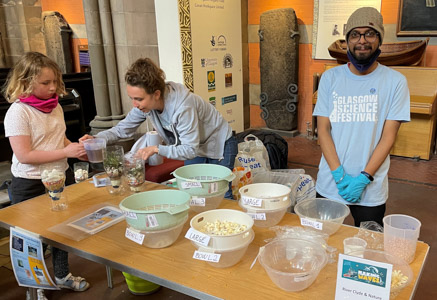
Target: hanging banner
<point>27,259</point>
<point>330,18</point>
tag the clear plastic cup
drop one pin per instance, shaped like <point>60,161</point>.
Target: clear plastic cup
<point>53,178</point>
<point>135,172</point>
<point>400,236</point>
<point>355,245</point>
<point>81,170</point>
<point>94,149</point>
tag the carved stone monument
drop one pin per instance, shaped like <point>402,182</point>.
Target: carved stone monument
<point>279,56</point>
<point>57,36</point>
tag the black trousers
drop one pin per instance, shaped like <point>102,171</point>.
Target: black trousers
<point>362,213</point>
<point>22,189</point>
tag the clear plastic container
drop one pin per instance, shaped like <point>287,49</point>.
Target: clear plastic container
<point>94,149</point>
<point>329,213</point>
<point>265,218</point>
<point>162,238</point>
<point>354,244</point>
<point>267,195</point>
<point>293,264</point>
<point>204,203</point>
<point>228,257</point>
<point>135,172</point>
<point>53,178</point>
<point>400,236</point>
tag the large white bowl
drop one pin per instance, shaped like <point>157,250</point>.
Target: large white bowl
<point>271,195</point>
<point>293,264</point>
<point>272,216</point>
<point>329,213</point>
<point>224,242</point>
<point>228,257</point>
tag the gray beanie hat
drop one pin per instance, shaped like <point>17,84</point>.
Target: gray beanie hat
<point>366,17</point>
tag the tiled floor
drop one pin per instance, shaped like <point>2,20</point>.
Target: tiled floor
<point>413,191</point>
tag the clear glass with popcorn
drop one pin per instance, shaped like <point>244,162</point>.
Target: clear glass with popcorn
<point>81,170</point>
<point>53,178</point>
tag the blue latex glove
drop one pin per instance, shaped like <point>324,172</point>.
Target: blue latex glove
<point>353,191</point>
<point>342,180</point>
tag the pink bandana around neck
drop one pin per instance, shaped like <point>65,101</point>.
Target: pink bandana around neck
<point>46,106</point>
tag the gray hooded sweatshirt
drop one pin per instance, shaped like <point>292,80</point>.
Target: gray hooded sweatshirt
<point>189,126</point>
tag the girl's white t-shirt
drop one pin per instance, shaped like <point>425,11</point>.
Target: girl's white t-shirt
<point>46,131</point>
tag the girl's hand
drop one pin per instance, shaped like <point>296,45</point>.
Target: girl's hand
<point>86,137</point>
<point>145,153</point>
<point>74,150</point>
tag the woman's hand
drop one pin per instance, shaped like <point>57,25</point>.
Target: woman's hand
<point>86,137</point>
<point>145,153</point>
<point>74,150</point>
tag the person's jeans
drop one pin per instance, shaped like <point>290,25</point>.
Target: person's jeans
<point>229,154</point>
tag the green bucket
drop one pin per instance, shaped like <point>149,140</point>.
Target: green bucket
<point>138,286</point>
<point>203,179</point>
<point>156,210</point>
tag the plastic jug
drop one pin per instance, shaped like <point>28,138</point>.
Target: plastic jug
<point>400,236</point>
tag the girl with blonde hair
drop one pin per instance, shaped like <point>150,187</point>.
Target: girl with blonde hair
<point>35,126</point>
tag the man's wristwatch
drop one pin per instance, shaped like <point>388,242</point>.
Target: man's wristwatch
<point>367,175</point>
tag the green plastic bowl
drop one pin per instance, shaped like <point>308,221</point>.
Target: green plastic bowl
<point>212,178</point>
<point>156,210</point>
<point>138,286</point>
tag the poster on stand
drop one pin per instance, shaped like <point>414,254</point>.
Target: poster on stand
<point>330,18</point>
<point>27,258</point>
<point>217,56</point>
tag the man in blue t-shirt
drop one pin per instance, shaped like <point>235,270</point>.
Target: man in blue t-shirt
<point>359,110</point>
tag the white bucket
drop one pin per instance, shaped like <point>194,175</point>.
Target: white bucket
<point>265,195</point>
<point>224,242</point>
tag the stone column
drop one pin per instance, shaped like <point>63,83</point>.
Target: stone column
<point>119,32</point>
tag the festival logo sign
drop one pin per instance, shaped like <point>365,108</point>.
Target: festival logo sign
<point>365,273</point>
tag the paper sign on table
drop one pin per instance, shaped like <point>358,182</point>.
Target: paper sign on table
<point>197,201</point>
<point>197,236</point>
<point>191,184</point>
<point>311,223</point>
<point>134,236</point>
<point>27,260</point>
<point>206,256</point>
<point>362,279</point>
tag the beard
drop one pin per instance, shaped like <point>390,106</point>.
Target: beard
<point>362,58</point>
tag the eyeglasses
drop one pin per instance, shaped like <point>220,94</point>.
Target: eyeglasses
<point>369,36</point>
